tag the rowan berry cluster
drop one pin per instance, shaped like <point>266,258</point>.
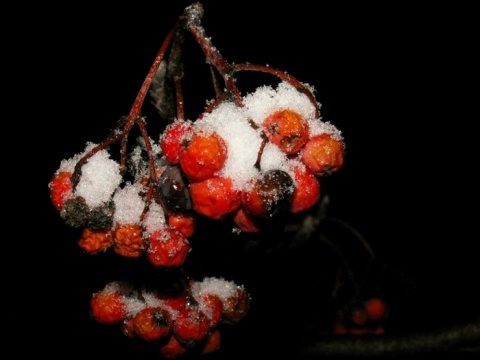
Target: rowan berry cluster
<point>248,159</point>
<point>177,320</point>
<point>366,317</point>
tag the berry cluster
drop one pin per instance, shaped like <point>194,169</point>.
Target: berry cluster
<point>367,317</point>
<point>178,320</point>
<point>247,158</point>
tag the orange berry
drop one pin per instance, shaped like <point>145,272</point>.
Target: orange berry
<point>152,323</point>
<point>60,188</point>
<point>108,307</point>
<point>128,240</point>
<point>202,155</point>
<point>212,343</point>
<point>214,197</point>
<point>185,223</point>
<point>96,241</point>
<point>236,307</point>
<point>245,221</point>
<point>323,154</point>
<point>287,129</point>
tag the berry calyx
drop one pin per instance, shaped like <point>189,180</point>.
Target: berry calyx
<point>287,129</point>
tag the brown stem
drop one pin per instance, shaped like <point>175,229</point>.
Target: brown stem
<point>282,75</point>
<point>192,19</point>
<point>175,70</point>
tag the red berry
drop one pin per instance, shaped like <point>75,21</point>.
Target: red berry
<point>212,306</point>
<point>236,307</point>
<point>245,221</point>
<point>191,325</point>
<point>172,348</point>
<point>167,247</point>
<point>287,129</point>
<point>214,197</point>
<point>358,316</point>
<point>172,137</point>
<point>60,188</point>
<point>96,241</point>
<point>202,155</point>
<point>108,307</point>
<point>173,301</point>
<point>128,240</point>
<point>269,195</point>
<point>307,190</point>
<point>323,154</point>
<point>185,223</point>
<point>152,323</point>
<point>212,343</point>
<point>376,309</point>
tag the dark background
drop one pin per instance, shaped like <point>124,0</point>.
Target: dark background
<point>397,80</point>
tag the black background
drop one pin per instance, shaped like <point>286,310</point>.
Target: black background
<point>397,80</point>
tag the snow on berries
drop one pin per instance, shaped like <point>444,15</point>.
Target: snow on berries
<point>247,159</point>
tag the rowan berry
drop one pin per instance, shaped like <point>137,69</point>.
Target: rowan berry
<point>235,307</point>
<point>215,197</point>
<point>307,190</point>
<point>61,188</point>
<point>152,323</point>
<point>96,241</point>
<point>269,195</point>
<point>358,316</point>
<point>375,308</point>
<point>212,343</point>
<point>173,301</point>
<point>191,325</point>
<point>108,306</point>
<point>202,155</point>
<point>185,223</point>
<point>287,129</point>
<point>323,154</point>
<point>128,240</point>
<point>212,306</point>
<point>167,247</point>
<point>172,137</point>
<point>172,348</point>
<point>245,221</point>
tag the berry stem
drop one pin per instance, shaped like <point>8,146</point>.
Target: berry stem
<point>282,75</point>
<point>193,14</point>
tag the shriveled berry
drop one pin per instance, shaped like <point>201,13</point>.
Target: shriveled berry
<point>152,323</point>
<point>96,241</point>
<point>61,188</point>
<point>167,247</point>
<point>307,190</point>
<point>215,197</point>
<point>202,155</point>
<point>191,325</point>
<point>75,212</point>
<point>172,137</point>
<point>270,194</point>
<point>324,154</point>
<point>108,307</point>
<point>173,191</point>
<point>128,240</point>
<point>287,129</point>
<point>237,306</point>
<point>172,348</point>
<point>185,223</point>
